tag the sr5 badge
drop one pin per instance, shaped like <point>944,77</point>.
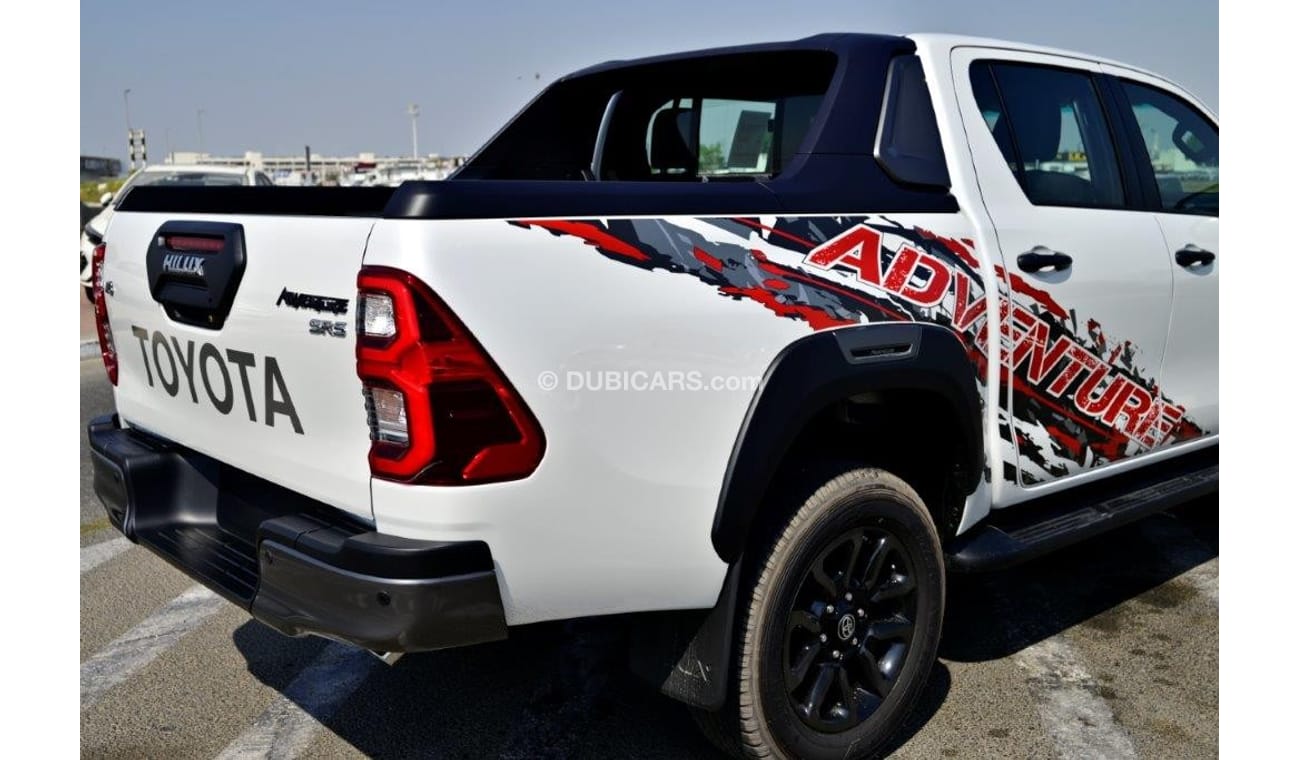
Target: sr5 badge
<point>328,327</point>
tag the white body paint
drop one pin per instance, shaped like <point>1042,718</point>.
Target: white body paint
<point>328,460</point>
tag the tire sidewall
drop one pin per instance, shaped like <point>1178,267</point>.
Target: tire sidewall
<point>866,500</point>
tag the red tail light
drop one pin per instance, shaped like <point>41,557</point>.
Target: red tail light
<point>440,411</point>
<point>106,348</point>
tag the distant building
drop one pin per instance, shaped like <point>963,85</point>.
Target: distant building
<point>361,169</point>
<point>96,167</point>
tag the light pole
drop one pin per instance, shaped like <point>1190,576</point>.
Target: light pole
<point>200,132</point>
<point>414,111</point>
<point>126,105</point>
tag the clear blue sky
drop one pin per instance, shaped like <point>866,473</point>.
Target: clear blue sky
<point>276,75</point>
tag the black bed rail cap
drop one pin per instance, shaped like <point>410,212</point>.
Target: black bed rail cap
<point>263,201</point>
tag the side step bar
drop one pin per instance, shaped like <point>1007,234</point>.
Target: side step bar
<point>1037,527</point>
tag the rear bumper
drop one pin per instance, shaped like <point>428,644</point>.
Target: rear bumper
<point>294,563</point>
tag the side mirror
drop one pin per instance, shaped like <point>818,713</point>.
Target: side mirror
<point>105,199</point>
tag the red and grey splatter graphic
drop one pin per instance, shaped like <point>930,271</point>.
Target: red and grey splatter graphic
<point>1078,400</point>
<point>1077,397</point>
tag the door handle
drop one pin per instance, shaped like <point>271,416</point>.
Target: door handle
<point>1041,257</point>
<point>1193,256</point>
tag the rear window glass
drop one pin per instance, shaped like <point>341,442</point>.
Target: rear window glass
<point>734,117</point>
<point>1051,129</point>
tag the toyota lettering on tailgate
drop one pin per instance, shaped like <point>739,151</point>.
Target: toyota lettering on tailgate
<point>206,365</point>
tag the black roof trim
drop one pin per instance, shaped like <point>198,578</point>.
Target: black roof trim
<point>835,42</point>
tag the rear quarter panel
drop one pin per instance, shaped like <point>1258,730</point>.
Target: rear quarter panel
<point>618,515</point>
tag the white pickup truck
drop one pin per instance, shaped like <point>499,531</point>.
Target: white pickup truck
<point>757,342</point>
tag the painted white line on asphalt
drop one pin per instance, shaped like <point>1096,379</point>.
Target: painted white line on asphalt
<point>141,645</point>
<point>89,349</point>
<point>97,554</point>
<point>289,724</point>
<point>1078,721</point>
<point>1075,717</point>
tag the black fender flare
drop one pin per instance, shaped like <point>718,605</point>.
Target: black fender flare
<point>818,370</point>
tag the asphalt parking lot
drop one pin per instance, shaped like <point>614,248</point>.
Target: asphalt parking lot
<point>1109,650</point>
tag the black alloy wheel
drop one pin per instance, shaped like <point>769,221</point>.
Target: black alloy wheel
<point>849,630</point>
<point>838,621</point>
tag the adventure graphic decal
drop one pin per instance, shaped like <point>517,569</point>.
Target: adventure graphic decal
<point>1078,399</point>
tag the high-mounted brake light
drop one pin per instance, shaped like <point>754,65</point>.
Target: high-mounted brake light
<point>194,243</point>
<point>439,409</point>
<point>107,351</point>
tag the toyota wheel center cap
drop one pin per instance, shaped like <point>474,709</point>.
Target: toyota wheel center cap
<point>846,627</point>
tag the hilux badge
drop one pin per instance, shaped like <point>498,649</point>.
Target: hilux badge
<point>184,264</point>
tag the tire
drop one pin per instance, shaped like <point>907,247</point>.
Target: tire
<point>90,293</point>
<point>771,710</point>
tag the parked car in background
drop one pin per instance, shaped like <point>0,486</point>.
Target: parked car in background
<point>92,232</point>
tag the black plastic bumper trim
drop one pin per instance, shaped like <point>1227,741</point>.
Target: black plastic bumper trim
<point>296,564</point>
<point>299,595</point>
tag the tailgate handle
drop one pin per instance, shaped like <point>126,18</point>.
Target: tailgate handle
<point>194,270</point>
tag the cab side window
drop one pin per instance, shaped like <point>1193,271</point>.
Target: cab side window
<point>1183,147</point>
<point>1051,129</point>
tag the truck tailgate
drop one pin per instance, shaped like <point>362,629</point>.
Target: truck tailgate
<point>235,338</point>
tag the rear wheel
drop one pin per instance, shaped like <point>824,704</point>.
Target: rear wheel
<point>90,293</point>
<point>842,622</point>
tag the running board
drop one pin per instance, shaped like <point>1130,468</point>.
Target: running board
<point>1037,527</point>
